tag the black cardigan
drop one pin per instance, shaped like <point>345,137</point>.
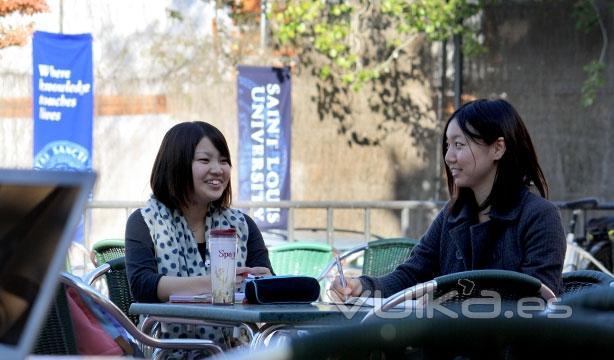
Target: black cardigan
<point>141,266</point>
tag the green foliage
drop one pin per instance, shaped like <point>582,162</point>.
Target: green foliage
<point>594,80</point>
<point>588,18</point>
<point>296,18</point>
<point>332,29</point>
<point>343,33</point>
<point>174,14</point>
<point>585,15</point>
<point>438,19</point>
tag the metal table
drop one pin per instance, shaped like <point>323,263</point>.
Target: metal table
<point>259,321</point>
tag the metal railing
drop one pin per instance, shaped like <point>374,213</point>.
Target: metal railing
<point>330,206</point>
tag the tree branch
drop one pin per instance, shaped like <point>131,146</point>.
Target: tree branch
<point>604,34</point>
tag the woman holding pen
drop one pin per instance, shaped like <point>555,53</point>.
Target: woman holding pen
<point>497,216</point>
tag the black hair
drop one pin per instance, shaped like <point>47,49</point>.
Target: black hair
<point>171,176</point>
<point>484,121</point>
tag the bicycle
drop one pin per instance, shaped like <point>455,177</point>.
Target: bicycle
<point>577,257</point>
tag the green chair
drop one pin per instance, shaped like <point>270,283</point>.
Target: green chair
<point>380,256</point>
<point>108,249</point>
<point>383,256</point>
<point>300,258</point>
<point>114,272</point>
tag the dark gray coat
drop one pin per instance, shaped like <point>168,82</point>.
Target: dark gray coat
<point>529,238</point>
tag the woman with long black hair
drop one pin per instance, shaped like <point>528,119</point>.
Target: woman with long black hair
<point>497,217</point>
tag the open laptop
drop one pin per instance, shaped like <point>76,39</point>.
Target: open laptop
<point>39,213</point>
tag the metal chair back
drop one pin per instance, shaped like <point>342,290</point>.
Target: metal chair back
<point>300,258</point>
<point>455,288</point>
<point>114,272</point>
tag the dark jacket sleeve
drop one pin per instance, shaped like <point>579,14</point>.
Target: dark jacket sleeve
<point>543,241</point>
<point>257,253</point>
<point>141,266</point>
<point>422,265</point>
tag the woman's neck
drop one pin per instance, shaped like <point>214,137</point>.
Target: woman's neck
<point>481,194</point>
<point>194,215</point>
<point>482,190</point>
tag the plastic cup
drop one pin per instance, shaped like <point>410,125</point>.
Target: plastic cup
<point>222,252</point>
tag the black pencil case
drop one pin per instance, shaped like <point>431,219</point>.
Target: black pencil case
<point>286,289</point>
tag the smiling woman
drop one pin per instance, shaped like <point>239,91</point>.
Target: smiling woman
<point>494,219</point>
<point>166,241</point>
<point>210,172</point>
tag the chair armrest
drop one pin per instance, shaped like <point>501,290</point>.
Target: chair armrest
<point>412,293</point>
<point>93,275</point>
<point>331,264</point>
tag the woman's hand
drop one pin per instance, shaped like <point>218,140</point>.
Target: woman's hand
<point>260,271</point>
<point>243,271</point>
<point>169,285</point>
<point>255,271</point>
<point>241,274</point>
<point>353,288</point>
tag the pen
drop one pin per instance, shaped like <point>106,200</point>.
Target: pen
<point>340,271</point>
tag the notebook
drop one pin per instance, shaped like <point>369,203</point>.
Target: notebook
<point>372,302</point>
<point>200,298</point>
<point>39,213</point>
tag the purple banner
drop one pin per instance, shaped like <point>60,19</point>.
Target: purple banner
<point>265,119</point>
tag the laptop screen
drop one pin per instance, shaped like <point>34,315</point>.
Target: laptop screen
<point>39,213</point>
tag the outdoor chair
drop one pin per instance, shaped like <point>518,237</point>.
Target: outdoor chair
<point>457,287</point>
<point>56,336</point>
<point>501,332</point>
<point>300,258</point>
<point>108,249</point>
<point>586,332</point>
<point>380,256</point>
<point>592,299</point>
<point>162,346</point>
<point>582,280</point>
<point>114,272</point>
<point>119,293</point>
<point>450,338</point>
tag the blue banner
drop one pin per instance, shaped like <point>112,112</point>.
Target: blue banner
<point>265,119</point>
<point>63,104</point>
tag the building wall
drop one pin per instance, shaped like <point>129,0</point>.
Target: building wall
<point>535,59</point>
<point>144,85</point>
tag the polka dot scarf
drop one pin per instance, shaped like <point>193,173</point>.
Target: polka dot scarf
<point>177,254</point>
